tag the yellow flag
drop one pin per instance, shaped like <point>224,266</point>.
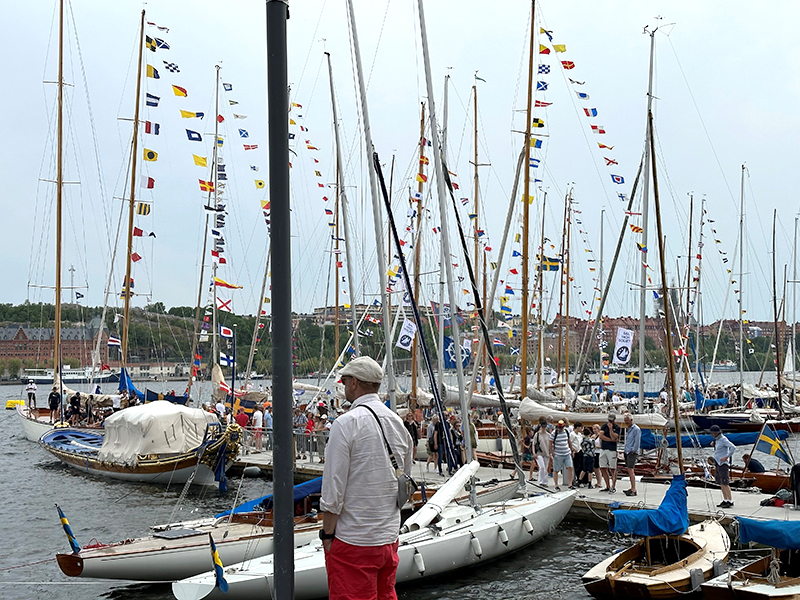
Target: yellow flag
<point>150,155</point>
<point>200,161</point>
<point>259,183</point>
<point>291,122</point>
<point>151,72</point>
<point>530,199</point>
<point>560,47</point>
<point>187,114</point>
<point>346,305</point>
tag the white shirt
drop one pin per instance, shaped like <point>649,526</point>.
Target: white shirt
<point>115,400</point>
<point>258,419</point>
<point>220,407</point>
<point>31,387</point>
<point>359,483</point>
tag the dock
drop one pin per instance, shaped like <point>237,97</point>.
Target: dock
<point>590,505</point>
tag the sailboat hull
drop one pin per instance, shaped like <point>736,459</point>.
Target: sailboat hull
<point>630,574</point>
<point>451,548</point>
<point>34,424</point>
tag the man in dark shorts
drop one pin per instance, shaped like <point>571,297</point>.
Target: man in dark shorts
<point>54,402</point>
<point>723,452</point>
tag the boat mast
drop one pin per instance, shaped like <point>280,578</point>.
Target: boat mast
<point>442,274</point>
<point>416,237</point>
<point>697,309</point>
<point>540,323</point>
<point>687,324</point>
<point>126,286</point>
<point>665,295</point>
<point>438,158</point>
<point>794,307</point>
<point>215,325</point>
<point>336,268</point>
<point>741,288</point>
<point>566,282</point>
<point>645,206</point>
<point>477,221</point>
<point>59,194</point>
<point>376,211</point>
<point>254,339</point>
<point>525,217</point>
<point>561,274</point>
<point>775,314</point>
<point>341,194</point>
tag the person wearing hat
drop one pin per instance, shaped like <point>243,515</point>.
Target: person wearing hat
<point>360,517</point>
<point>31,389</point>
<point>609,436</point>
<point>723,452</point>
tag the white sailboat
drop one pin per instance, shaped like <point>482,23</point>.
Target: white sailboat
<point>461,536</point>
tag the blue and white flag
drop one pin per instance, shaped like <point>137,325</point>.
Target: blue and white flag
<point>225,360</point>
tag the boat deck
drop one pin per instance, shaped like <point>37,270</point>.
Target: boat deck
<point>591,504</point>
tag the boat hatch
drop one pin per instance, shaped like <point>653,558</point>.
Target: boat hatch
<point>176,534</point>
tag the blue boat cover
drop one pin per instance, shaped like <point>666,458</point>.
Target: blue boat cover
<point>651,440</point>
<point>634,394</point>
<point>671,517</point>
<point>776,534</point>
<point>701,401</point>
<point>125,383</point>
<point>300,491</point>
<point>151,396</point>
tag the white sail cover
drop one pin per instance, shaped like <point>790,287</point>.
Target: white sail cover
<point>531,411</point>
<point>158,427</point>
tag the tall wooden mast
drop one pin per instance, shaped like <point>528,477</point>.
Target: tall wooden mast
<point>526,215</point>
<point>59,191</point>
<point>416,237</point>
<point>777,336</point>
<point>126,285</point>
<point>566,282</point>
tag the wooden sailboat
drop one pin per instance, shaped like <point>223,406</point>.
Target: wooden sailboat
<point>672,558</point>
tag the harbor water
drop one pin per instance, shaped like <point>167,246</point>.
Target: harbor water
<point>108,511</point>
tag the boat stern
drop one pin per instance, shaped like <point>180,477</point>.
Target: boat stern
<point>70,564</point>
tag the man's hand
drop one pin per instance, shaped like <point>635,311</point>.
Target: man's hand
<point>326,545</point>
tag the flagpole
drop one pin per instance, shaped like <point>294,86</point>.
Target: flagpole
<point>214,265</point>
<point>775,313</point>
<point>416,238</point>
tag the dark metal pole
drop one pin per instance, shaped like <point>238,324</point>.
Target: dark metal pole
<point>281,279</point>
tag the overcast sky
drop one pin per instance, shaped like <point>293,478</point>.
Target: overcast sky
<point>726,83</point>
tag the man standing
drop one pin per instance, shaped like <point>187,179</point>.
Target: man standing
<point>561,451</point>
<point>723,451</point>
<point>268,426</point>
<point>258,424</point>
<point>360,517</point>
<point>54,402</point>
<point>541,450</point>
<point>609,435</point>
<point>633,442</point>
<point>31,389</point>
<point>413,430</point>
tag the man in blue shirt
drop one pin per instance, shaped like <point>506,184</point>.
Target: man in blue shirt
<point>633,442</point>
<point>723,451</point>
<point>268,426</point>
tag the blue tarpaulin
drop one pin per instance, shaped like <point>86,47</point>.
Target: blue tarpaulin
<point>701,402</point>
<point>300,491</point>
<point>651,440</point>
<point>776,534</point>
<point>671,517</point>
<point>125,383</point>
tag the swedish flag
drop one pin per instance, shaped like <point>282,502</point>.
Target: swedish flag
<point>632,377</point>
<point>769,443</point>
<point>68,530</point>
<point>549,264</point>
<point>219,572</point>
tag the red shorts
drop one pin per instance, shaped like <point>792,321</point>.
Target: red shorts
<point>361,572</point>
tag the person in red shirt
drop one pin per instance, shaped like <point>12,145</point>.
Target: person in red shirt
<point>241,418</point>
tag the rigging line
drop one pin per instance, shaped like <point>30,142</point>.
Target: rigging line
<point>435,390</point>
<point>378,43</point>
<point>311,45</point>
<point>702,122</point>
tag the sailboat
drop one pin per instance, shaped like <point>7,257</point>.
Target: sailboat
<point>775,576</point>
<point>672,558</point>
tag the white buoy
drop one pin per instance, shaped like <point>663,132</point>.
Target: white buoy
<point>527,525</point>
<point>476,545</point>
<point>503,535</point>
<point>419,562</point>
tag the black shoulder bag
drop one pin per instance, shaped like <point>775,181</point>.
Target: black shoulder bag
<point>406,485</point>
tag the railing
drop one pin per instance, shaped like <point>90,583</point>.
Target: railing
<point>306,447</point>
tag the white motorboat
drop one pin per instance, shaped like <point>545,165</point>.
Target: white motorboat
<point>463,536</point>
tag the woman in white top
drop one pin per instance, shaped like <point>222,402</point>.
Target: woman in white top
<point>596,437</point>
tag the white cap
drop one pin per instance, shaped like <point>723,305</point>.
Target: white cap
<point>364,369</point>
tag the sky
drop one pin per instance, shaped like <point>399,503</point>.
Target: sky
<point>726,87</point>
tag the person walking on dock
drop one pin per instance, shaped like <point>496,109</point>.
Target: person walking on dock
<point>633,443</point>
<point>609,436</point>
<point>561,451</point>
<point>360,516</point>
<point>541,450</point>
<point>723,452</point>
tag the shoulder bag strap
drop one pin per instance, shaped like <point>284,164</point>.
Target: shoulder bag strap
<point>385,441</point>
